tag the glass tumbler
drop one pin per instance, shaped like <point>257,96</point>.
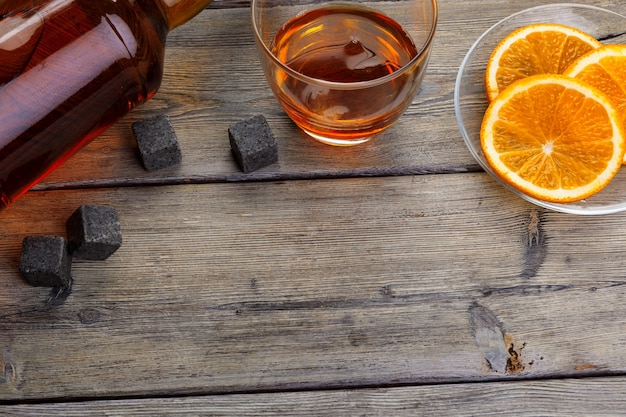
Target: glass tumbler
<point>344,71</point>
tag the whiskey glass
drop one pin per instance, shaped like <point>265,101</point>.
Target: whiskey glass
<point>344,71</point>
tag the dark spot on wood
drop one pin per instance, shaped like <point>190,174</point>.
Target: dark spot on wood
<point>388,296</point>
<point>535,246</point>
<point>523,290</point>
<point>347,320</point>
<point>514,364</point>
<point>489,337</point>
<point>386,291</point>
<point>89,315</point>
<point>7,372</point>
<point>357,338</point>
<point>497,346</point>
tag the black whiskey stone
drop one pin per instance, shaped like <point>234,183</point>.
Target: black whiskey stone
<point>93,232</point>
<point>157,142</point>
<point>45,261</point>
<point>253,144</point>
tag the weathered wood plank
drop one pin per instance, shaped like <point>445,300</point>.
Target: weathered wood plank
<point>213,79</point>
<point>588,397</point>
<point>314,284</point>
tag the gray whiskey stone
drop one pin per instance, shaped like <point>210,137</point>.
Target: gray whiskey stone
<point>253,144</point>
<point>157,142</point>
<point>45,261</point>
<point>93,232</point>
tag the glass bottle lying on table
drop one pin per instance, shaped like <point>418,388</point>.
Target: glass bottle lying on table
<point>68,70</point>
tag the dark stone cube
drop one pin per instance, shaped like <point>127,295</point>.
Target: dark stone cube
<point>94,232</point>
<point>253,144</point>
<point>157,142</point>
<point>45,261</point>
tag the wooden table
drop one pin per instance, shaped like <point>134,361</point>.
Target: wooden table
<point>391,279</point>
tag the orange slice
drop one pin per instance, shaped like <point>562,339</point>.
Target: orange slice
<point>605,69</point>
<point>553,137</point>
<point>545,48</point>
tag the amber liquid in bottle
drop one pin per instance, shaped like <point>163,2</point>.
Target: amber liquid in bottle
<point>68,70</point>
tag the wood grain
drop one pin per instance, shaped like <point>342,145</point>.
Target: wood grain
<point>392,278</point>
<point>314,284</point>
<point>571,397</point>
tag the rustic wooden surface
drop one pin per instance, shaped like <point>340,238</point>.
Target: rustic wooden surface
<point>394,278</point>
<point>525,399</point>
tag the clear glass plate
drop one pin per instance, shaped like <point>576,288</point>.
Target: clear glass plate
<point>470,100</point>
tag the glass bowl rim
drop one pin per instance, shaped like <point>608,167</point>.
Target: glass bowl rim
<point>570,208</point>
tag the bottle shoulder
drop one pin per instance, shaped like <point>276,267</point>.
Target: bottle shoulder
<point>178,12</point>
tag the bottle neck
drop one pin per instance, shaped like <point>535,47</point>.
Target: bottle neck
<point>177,12</point>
